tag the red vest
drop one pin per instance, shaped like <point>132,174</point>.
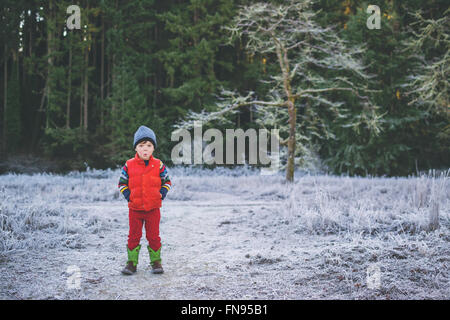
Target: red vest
<point>144,183</point>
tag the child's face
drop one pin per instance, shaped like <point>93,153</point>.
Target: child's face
<point>145,150</point>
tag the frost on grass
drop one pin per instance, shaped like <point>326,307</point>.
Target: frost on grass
<point>34,211</point>
<point>230,232</point>
<point>335,205</point>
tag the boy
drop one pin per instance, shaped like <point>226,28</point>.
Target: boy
<point>144,182</point>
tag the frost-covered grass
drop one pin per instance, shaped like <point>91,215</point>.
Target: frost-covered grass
<point>325,205</point>
<point>317,204</point>
<point>34,211</point>
<point>313,238</point>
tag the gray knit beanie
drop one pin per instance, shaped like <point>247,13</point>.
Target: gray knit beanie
<point>144,133</point>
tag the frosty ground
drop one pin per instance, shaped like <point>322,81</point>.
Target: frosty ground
<point>229,234</point>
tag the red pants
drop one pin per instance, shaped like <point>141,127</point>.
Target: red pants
<point>151,220</point>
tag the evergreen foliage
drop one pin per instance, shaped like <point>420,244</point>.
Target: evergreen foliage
<point>79,95</point>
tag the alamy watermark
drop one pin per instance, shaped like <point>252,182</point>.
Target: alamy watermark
<point>74,20</point>
<point>373,277</point>
<point>213,153</point>
<point>74,279</point>
<point>374,21</point>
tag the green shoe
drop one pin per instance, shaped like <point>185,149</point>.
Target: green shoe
<point>133,257</point>
<point>155,260</point>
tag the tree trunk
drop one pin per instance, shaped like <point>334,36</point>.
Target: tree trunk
<point>5,94</point>
<point>30,43</point>
<point>113,79</point>
<point>122,94</point>
<point>38,117</point>
<point>81,104</point>
<point>102,71</point>
<point>69,89</point>
<point>86,77</point>
<point>49,59</point>
<point>114,66</point>
<point>155,79</point>
<point>284,66</point>
<point>86,64</point>
<point>291,142</point>
<point>108,77</point>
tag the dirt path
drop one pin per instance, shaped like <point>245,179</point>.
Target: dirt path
<point>207,254</point>
<point>229,248</point>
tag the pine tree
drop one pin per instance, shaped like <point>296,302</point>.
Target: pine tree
<point>190,53</point>
<point>128,114</point>
<point>304,52</point>
<point>13,112</point>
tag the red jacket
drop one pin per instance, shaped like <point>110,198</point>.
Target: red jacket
<point>144,183</point>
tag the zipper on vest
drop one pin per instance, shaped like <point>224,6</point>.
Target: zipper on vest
<point>142,187</point>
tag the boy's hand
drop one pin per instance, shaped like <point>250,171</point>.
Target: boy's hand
<point>126,194</point>
<point>163,192</point>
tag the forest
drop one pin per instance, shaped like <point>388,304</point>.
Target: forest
<point>354,94</point>
<point>364,101</point>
